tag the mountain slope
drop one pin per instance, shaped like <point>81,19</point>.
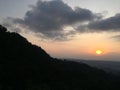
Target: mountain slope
<point>24,66</point>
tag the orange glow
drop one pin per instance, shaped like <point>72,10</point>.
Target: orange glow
<point>99,52</point>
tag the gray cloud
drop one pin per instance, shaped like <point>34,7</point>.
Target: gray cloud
<point>109,24</point>
<point>53,15</point>
<point>11,24</point>
<point>50,17</point>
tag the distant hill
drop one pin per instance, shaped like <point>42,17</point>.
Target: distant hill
<point>24,66</point>
<point>108,66</point>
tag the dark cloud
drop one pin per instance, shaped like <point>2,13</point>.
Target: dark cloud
<point>53,15</point>
<point>50,17</point>
<point>109,24</point>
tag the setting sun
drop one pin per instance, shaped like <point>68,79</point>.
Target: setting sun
<point>98,52</point>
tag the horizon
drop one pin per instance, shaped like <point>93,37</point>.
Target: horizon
<point>66,28</point>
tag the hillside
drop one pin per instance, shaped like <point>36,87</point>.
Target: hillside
<point>24,66</point>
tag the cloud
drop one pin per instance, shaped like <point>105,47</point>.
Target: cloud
<point>12,25</point>
<point>50,17</point>
<point>117,37</point>
<point>109,24</point>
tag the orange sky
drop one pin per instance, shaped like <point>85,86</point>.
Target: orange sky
<point>83,46</point>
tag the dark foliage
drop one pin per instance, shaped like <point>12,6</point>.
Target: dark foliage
<point>24,66</point>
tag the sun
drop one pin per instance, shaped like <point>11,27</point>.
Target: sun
<point>99,52</point>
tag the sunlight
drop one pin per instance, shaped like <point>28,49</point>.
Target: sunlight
<point>98,52</point>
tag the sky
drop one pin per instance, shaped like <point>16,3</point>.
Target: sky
<point>67,28</point>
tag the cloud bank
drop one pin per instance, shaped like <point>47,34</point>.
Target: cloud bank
<point>49,18</point>
<point>109,24</point>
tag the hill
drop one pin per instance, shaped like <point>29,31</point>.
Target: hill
<point>108,66</point>
<point>24,66</point>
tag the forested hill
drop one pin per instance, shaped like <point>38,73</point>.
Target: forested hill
<point>24,66</point>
